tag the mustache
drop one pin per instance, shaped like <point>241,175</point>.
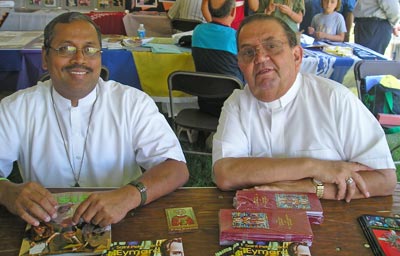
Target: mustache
<point>68,68</point>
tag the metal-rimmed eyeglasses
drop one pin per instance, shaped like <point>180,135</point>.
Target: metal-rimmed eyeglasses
<point>270,47</point>
<point>70,51</point>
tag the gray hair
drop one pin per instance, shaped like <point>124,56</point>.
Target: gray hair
<point>290,34</point>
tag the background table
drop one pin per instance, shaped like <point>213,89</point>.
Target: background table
<point>339,234</point>
<point>338,68</point>
<point>156,24</point>
<point>36,20</point>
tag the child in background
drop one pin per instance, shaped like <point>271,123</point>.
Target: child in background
<point>290,11</point>
<point>328,25</point>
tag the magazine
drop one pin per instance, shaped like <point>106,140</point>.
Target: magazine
<point>158,247</point>
<point>265,248</point>
<point>382,233</point>
<point>59,236</point>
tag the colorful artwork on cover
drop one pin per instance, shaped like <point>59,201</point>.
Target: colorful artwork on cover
<point>292,201</point>
<point>181,219</point>
<point>249,220</point>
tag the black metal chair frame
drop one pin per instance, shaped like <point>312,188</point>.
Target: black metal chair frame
<point>365,68</point>
<point>200,84</point>
<point>184,25</point>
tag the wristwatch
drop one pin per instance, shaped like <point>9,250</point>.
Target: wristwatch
<point>319,188</point>
<point>142,190</point>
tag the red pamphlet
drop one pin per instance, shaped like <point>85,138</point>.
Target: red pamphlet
<point>264,225</point>
<point>256,199</point>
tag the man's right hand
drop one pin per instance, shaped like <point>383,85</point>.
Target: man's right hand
<point>31,201</point>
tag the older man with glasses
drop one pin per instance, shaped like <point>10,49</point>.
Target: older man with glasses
<point>295,132</point>
<point>76,130</point>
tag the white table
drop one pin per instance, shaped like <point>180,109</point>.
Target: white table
<point>37,20</point>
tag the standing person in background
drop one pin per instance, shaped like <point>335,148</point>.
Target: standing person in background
<point>328,25</point>
<point>346,9</point>
<point>186,9</point>
<point>313,7</point>
<point>214,48</point>
<point>240,11</point>
<point>290,11</point>
<point>76,130</point>
<point>375,21</point>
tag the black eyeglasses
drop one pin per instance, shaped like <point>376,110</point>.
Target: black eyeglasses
<point>70,51</point>
<point>270,47</point>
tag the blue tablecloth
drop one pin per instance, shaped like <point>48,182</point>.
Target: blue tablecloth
<point>11,60</point>
<point>335,67</point>
<point>122,67</point>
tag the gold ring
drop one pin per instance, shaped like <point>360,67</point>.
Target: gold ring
<point>349,181</point>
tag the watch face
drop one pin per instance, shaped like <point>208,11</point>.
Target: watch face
<point>317,182</point>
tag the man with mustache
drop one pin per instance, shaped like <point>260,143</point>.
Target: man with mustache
<point>78,130</point>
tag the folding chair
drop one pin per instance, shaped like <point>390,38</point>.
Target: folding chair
<point>365,68</point>
<point>200,84</point>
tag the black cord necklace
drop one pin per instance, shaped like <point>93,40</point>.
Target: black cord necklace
<point>76,175</point>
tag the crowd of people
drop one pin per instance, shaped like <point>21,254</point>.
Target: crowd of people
<point>284,131</point>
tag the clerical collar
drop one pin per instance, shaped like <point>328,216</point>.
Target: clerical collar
<point>88,100</point>
<point>287,97</point>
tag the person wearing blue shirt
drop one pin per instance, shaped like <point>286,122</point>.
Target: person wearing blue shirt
<point>214,48</point>
<point>314,7</point>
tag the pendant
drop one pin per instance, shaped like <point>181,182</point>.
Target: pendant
<point>76,185</point>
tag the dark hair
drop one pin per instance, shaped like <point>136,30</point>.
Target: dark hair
<point>67,17</point>
<point>223,10</point>
<point>290,34</point>
<point>292,248</point>
<point>166,245</point>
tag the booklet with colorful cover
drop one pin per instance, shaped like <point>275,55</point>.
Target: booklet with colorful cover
<point>382,233</point>
<point>158,247</point>
<point>265,248</point>
<point>181,219</point>
<point>264,225</point>
<point>257,199</point>
<point>59,236</point>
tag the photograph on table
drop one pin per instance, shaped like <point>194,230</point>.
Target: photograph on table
<point>50,3</point>
<point>146,3</point>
